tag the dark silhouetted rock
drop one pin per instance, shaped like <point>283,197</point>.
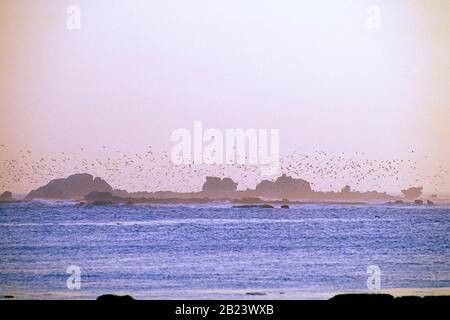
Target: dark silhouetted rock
<point>284,206</point>
<point>387,299</point>
<point>73,187</point>
<point>100,196</point>
<point>412,193</point>
<point>6,196</point>
<point>408,299</point>
<point>418,202</point>
<point>255,293</point>
<point>429,202</point>
<point>97,198</point>
<point>445,300</point>
<point>250,206</point>
<point>215,184</point>
<point>363,298</point>
<point>284,187</point>
<point>399,202</point>
<point>102,203</point>
<point>114,298</point>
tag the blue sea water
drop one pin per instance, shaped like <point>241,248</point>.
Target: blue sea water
<point>215,251</point>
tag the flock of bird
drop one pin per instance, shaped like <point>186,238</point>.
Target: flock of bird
<point>152,170</point>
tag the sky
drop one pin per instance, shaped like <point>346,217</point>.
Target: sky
<point>138,70</point>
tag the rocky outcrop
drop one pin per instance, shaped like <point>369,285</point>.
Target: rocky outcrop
<point>73,187</point>
<point>283,190</point>
<point>112,298</point>
<point>215,184</point>
<point>362,298</point>
<point>383,299</point>
<point>6,196</point>
<point>101,196</point>
<point>284,187</point>
<point>412,193</point>
<point>252,206</point>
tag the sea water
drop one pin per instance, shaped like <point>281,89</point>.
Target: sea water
<point>215,251</point>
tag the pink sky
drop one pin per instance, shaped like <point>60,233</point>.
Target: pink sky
<point>137,70</point>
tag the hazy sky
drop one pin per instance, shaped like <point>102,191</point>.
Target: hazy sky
<point>137,70</point>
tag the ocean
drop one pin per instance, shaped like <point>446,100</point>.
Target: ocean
<point>215,251</point>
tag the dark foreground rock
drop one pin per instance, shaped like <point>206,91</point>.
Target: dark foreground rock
<point>114,298</point>
<point>102,203</point>
<point>250,206</point>
<point>373,298</point>
<point>382,298</point>
<point>73,187</point>
<point>255,293</point>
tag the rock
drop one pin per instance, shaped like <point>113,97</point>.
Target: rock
<point>73,187</point>
<point>418,202</point>
<point>99,196</point>
<point>429,202</point>
<point>399,202</point>
<point>362,298</point>
<point>102,203</point>
<point>255,293</point>
<point>284,206</point>
<point>250,206</point>
<point>378,299</point>
<point>215,184</point>
<point>246,206</point>
<point>412,193</point>
<point>114,298</point>
<point>284,187</point>
<point>408,299</point>
<point>6,196</point>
